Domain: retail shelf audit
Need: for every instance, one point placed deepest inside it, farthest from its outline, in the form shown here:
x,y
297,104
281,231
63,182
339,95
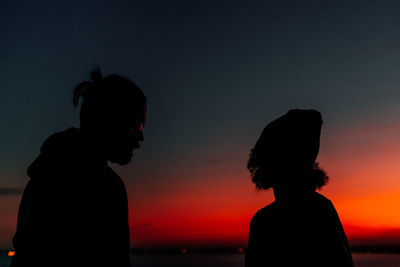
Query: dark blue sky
x,y
214,72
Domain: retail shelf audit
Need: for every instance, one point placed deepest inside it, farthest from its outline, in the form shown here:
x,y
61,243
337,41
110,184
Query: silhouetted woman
x,y
74,210
301,227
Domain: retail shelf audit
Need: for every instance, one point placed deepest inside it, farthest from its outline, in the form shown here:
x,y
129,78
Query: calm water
x,y
235,260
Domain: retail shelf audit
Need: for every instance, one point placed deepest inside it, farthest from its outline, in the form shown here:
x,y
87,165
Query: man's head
x,y
113,114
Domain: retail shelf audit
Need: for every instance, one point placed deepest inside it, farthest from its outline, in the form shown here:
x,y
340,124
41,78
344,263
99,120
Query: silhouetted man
x,y
74,210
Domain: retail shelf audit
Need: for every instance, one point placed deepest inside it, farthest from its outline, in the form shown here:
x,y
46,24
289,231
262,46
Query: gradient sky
x,y
215,72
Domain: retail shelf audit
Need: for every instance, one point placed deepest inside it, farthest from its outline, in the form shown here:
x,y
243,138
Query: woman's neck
x,y
292,192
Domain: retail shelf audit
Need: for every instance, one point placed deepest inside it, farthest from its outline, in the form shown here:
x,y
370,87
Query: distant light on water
x,y
11,253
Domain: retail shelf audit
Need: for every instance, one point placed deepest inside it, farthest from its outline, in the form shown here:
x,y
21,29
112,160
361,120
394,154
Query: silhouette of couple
x,y
74,209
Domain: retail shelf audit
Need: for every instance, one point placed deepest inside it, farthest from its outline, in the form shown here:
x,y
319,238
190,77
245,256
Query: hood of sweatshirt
x,y
65,152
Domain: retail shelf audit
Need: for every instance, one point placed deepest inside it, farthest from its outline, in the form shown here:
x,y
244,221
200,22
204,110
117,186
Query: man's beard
x,y
121,158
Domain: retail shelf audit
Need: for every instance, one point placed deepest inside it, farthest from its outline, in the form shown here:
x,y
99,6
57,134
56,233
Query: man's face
x,y
125,136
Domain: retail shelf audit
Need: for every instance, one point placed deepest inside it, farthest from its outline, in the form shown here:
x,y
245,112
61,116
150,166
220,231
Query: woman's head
x,y
286,151
113,111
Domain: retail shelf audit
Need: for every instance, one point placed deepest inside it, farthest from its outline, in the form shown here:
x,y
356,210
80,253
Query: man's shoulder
x,y
113,179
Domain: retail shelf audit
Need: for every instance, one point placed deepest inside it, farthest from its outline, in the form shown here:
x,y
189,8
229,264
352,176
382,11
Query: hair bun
x,y
96,75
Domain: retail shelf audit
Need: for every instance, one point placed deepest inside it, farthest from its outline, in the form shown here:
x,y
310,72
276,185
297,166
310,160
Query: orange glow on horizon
x,y
213,204
220,216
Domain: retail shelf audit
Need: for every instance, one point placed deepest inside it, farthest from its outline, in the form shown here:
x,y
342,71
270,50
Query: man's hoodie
x,y
74,209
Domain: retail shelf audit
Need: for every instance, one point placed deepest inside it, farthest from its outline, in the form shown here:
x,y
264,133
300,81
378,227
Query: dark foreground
x,y
234,260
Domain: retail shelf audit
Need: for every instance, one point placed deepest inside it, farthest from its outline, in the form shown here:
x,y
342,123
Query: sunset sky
x,y
214,72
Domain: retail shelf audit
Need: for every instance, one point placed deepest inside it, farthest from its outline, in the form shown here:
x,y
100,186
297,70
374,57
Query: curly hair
x,y
264,178
286,152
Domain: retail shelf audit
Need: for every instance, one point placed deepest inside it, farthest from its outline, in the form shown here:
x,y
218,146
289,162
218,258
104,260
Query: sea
x,y
233,260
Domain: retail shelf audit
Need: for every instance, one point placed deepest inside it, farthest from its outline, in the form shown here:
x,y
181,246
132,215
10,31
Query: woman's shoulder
x,y
264,213
321,200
